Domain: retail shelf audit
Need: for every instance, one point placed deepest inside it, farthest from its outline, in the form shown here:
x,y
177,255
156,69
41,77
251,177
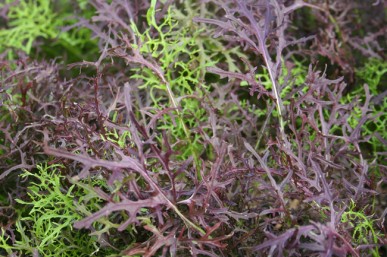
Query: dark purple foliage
x,y
276,185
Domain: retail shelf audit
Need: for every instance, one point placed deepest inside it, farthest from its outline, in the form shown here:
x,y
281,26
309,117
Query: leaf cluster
x,y
29,23
201,128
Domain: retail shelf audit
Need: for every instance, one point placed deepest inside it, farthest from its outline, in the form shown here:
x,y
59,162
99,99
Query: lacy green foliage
x,y
364,229
178,55
210,48
372,73
30,20
47,227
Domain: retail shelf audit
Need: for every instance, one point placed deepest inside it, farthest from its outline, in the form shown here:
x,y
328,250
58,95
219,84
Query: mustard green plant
x,y
31,20
371,74
177,54
46,228
364,230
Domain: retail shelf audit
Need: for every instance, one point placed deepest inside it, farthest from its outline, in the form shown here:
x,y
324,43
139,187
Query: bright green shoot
x,y
363,227
178,56
51,213
30,20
